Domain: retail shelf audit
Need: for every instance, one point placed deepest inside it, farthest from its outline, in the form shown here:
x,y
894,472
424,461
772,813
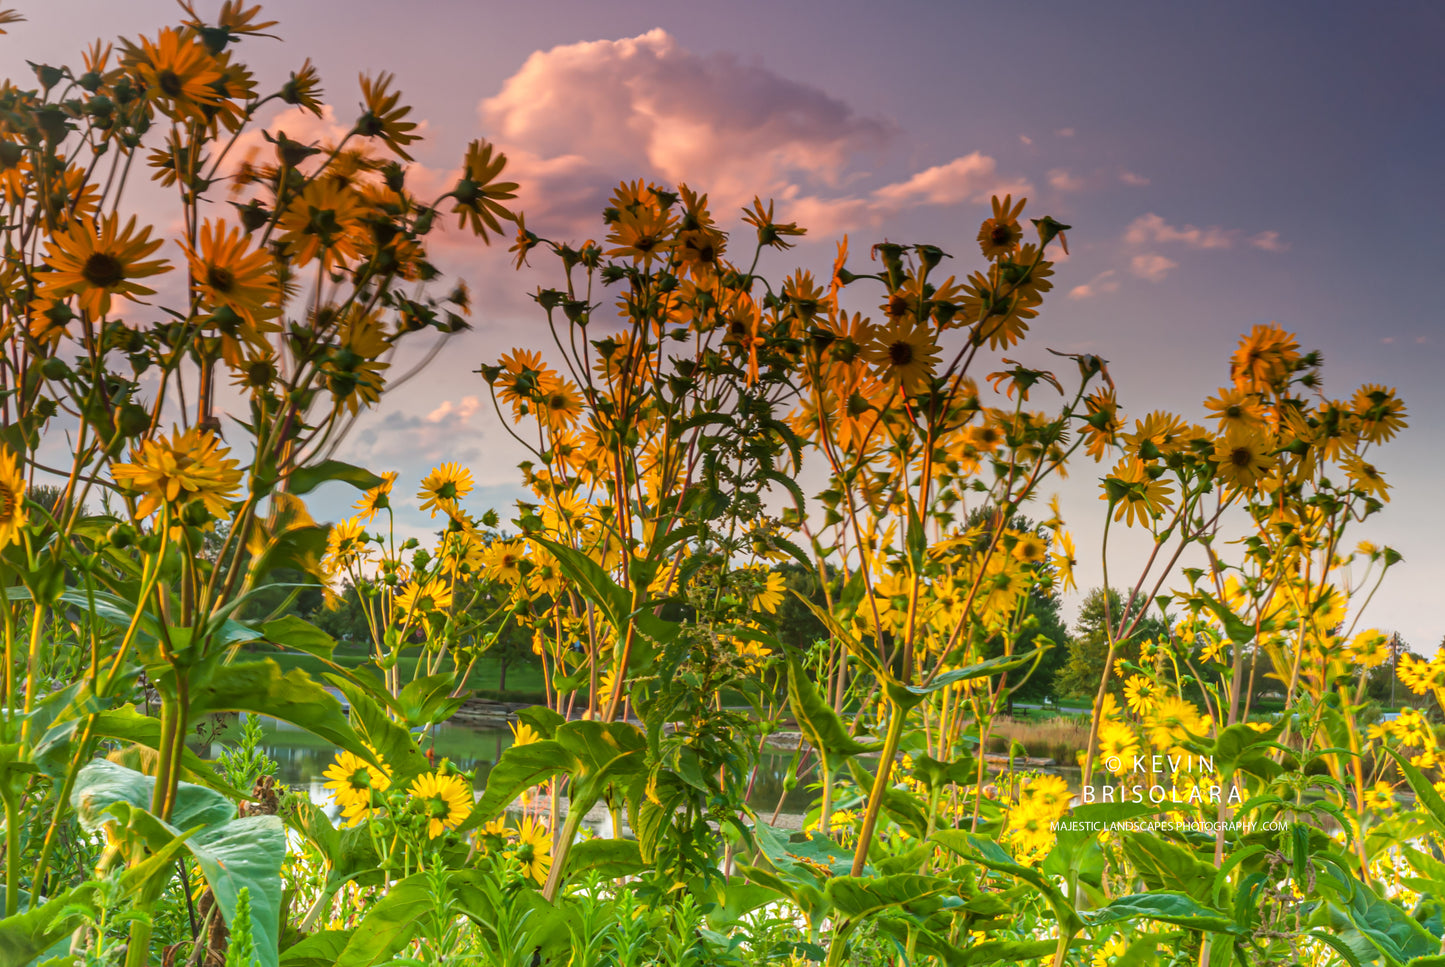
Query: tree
x,y
1089,647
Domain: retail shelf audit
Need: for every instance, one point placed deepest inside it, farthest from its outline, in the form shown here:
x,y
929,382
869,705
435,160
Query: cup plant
x,y
683,591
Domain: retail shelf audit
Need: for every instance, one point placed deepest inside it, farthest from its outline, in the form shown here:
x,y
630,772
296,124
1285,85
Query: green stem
x,y
139,948
564,846
12,855
880,784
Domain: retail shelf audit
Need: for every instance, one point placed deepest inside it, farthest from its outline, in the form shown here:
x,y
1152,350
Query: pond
x,y
302,758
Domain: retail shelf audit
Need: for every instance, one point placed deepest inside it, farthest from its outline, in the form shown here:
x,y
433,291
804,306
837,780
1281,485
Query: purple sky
x,y
1223,164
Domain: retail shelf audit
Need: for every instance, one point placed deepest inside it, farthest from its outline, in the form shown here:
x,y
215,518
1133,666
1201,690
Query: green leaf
x,y
990,854
246,853
1165,907
261,687
428,700
600,751
984,669
1425,793
27,936
816,718
609,858
320,949
390,739
1239,632
596,584
101,783
390,923
857,897
519,768
305,479
290,631
128,725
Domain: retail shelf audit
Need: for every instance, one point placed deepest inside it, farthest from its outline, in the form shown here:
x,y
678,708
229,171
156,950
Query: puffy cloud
x,y
1061,179
1151,228
582,116
576,119
1152,266
1130,178
1101,283
1269,242
456,414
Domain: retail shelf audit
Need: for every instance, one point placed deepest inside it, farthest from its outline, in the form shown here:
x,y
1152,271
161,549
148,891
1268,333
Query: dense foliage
x,y
688,602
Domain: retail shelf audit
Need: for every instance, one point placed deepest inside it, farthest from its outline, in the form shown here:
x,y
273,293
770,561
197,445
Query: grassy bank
x,y
524,680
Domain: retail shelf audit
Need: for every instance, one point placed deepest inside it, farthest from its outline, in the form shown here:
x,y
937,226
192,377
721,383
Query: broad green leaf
x,y
857,897
992,855
609,858
101,783
128,725
320,949
816,718
599,751
291,631
246,853
1425,793
518,769
391,740
1239,632
305,479
389,924
261,687
984,669
1165,907
25,937
428,700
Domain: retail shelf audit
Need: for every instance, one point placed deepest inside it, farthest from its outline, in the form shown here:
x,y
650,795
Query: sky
x,y
1223,165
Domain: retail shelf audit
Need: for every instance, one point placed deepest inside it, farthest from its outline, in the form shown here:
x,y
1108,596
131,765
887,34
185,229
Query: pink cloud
x,y
1152,228
1152,266
1061,179
1269,242
1130,178
580,117
1099,284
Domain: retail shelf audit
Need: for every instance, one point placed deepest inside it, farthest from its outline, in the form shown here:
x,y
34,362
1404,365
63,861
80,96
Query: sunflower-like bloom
x,y
444,800
324,220
1136,494
383,117
353,784
1139,694
443,487
1244,458
479,196
12,498
905,354
424,597
226,275
354,370
1065,560
378,498
1381,414
769,593
1366,478
1000,235
503,560
95,260
534,849
1265,356
191,464
641,235
179,75
1117,742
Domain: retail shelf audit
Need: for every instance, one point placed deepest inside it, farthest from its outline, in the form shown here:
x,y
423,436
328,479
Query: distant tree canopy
x,y
1088,649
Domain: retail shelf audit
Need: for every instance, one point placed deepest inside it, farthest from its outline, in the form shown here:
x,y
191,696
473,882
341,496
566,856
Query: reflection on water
x,y
302,758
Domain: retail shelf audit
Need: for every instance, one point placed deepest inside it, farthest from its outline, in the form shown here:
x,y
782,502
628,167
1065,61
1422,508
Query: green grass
x,y
524,679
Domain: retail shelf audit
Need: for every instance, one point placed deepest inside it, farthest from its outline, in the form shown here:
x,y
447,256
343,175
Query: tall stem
x,y
880,784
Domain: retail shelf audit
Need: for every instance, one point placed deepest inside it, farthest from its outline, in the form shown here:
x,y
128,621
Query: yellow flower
x,y
227,276
1117,741
1381,414
444,799
433,594
1380,797
770,594
1000,235
1236,409
904,353
346,542
1243,457
191,462
383,118
1064,560
1264,357
503,560
1105,955
1366,478
523,734
1030,549
179,75
1136,493
444,486
1139,694
353,782
378,498
325,220
534,849
95,260
479,195
12,498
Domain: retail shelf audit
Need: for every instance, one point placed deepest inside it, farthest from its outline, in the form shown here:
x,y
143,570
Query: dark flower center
x,y
900,353
221,279
1241,456
8,501
103,270
170,83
